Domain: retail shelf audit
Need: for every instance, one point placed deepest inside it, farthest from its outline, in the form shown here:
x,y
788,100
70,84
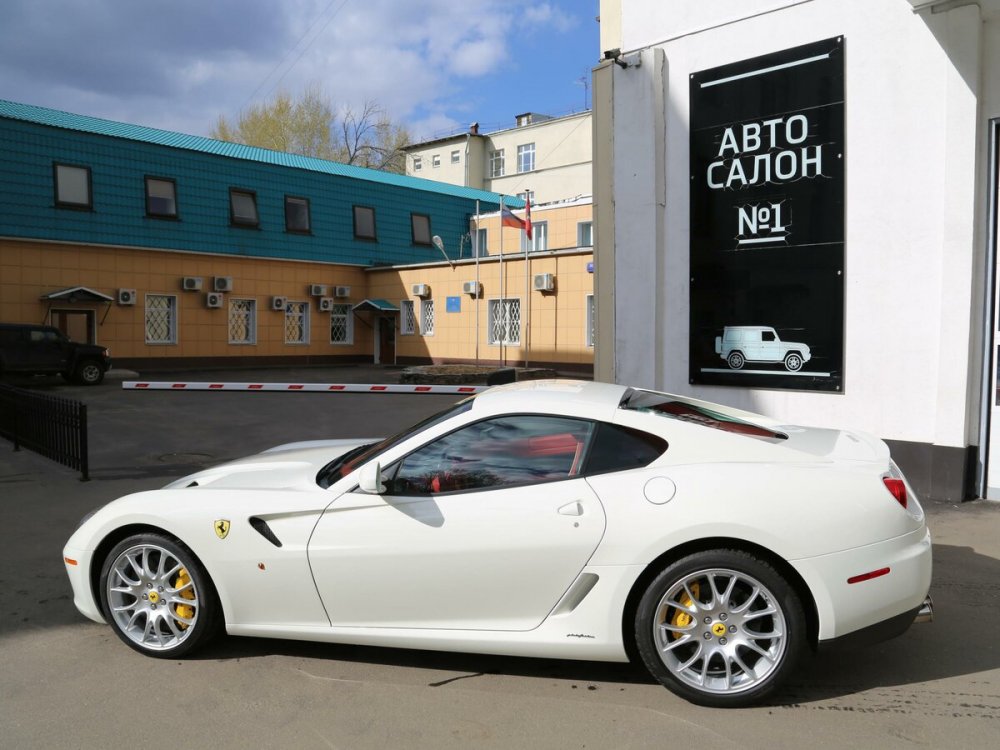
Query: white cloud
x,y
180,66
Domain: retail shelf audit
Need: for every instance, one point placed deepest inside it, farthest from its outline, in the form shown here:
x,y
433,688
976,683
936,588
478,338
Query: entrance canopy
x,y
77,294
376,305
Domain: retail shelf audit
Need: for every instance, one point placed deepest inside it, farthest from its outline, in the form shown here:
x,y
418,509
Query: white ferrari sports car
x,y
556,519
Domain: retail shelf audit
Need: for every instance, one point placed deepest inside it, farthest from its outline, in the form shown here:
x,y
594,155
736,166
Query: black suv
x,y
31,349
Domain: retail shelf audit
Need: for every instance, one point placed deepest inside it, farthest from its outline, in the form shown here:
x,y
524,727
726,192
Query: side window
x,y
767,335
498,452
618,448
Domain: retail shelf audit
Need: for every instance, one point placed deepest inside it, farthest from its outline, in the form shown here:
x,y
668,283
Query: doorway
x,y
76,325
385,349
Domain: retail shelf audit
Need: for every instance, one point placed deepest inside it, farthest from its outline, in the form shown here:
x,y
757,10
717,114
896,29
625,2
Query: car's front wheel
x,y
157,596
89,372
793,362
720,628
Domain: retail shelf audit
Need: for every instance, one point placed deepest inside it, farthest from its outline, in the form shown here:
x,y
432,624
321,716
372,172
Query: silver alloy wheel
x,y
720,631
793,362
149,592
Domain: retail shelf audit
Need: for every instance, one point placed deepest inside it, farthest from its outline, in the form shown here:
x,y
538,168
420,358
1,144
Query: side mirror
x,y
370,479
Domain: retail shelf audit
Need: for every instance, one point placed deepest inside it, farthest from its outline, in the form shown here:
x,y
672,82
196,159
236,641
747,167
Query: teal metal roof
x,y
378,305
86,124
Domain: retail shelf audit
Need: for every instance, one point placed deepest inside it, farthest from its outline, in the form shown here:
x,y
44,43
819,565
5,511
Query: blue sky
x,y
435,65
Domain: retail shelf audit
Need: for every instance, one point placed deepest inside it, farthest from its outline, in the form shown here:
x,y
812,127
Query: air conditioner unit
x,y
472,287
317,290
421,290
325,304
222,284
126,296
544,282
278,303
191,283
214,299
342,291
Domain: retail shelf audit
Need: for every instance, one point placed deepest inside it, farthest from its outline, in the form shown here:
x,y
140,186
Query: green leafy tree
x,y
309,125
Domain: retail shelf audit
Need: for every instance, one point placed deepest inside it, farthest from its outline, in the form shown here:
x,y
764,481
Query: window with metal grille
x,y
426,317
526,157
407,318
242,321
591,320
161,319
504,321
539,237
297,323
496,163
341,325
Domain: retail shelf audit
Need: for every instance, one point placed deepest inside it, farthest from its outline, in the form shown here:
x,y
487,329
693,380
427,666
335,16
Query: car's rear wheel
x,y
720,628
736,360
89,372
157,596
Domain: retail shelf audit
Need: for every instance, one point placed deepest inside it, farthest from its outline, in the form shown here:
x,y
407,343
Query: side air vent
x,y
576,593
260,525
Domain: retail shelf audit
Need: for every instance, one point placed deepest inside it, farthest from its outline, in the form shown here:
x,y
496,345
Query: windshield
x,y
665,405
343,465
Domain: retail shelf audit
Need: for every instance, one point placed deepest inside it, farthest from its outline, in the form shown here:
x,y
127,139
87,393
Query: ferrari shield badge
x,y
222,528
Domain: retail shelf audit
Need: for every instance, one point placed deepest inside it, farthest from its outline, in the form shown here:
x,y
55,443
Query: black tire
x,y
711,656
793,361
173,624
736,360
89,372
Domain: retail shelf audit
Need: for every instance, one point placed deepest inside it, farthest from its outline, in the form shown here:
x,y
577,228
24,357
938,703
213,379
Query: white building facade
x,y
548,156
816,171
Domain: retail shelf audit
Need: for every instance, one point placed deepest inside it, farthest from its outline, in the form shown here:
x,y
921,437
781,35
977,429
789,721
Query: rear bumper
x,y
880,631
882,603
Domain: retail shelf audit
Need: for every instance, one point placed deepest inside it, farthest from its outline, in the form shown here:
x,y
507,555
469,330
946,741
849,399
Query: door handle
x,y
572,509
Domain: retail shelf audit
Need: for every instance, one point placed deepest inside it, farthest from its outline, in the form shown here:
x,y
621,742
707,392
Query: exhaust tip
x,y
926,611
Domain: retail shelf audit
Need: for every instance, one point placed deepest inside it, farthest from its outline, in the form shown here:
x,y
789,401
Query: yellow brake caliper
x,y
183,610
681,618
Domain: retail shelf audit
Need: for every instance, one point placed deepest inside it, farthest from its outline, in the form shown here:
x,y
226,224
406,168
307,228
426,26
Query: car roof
x,y
577,398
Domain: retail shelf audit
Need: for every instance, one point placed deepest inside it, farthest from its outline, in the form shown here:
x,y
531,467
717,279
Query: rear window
x,y
618,448
672,407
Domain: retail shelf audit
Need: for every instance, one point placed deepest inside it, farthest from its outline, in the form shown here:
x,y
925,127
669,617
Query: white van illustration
x,y
741,344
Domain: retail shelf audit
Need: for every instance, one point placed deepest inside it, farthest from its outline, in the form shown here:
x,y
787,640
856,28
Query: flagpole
x,y
503,360
527,284
478,295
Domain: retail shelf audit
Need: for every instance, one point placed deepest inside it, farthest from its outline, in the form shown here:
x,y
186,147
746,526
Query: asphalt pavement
x,y
66,682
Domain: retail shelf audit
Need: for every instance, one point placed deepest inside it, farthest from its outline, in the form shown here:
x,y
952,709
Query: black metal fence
x,y
48,425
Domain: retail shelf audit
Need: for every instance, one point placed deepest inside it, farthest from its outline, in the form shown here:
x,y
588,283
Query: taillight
x,y
897,488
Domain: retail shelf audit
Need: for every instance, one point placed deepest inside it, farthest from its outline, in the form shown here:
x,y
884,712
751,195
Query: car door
x,y
483,528
48,351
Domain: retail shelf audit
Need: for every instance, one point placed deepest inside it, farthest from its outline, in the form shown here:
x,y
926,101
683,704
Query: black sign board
x,y
767,221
